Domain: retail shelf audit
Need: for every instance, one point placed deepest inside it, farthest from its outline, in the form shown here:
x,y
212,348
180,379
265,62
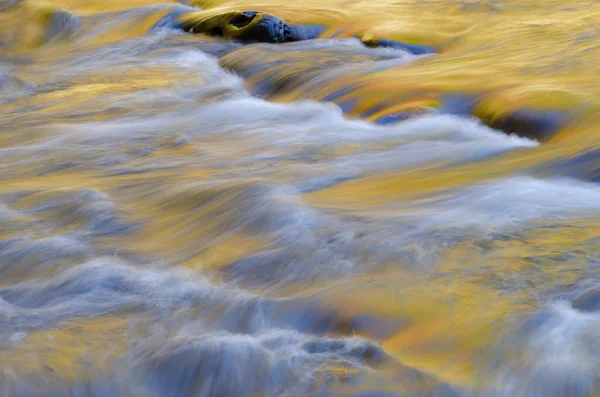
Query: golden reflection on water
x,y
520,53
514,53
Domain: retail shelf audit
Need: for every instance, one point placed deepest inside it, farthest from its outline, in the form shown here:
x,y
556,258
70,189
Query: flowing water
x,y
186,216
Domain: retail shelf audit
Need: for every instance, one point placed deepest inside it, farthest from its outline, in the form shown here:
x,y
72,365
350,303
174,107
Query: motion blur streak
x,y
182,215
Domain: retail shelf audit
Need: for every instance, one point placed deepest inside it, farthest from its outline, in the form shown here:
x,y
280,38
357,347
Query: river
x,y
183,215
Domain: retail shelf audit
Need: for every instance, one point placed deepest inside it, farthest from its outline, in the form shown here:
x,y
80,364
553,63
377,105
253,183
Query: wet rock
x,y
250,26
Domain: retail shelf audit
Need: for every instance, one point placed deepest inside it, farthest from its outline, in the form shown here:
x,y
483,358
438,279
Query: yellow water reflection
x,y
512,54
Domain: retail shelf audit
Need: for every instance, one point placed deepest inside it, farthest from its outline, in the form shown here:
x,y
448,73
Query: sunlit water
x,y
186,216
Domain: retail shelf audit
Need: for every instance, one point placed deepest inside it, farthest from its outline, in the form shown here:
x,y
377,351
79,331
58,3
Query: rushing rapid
x,y
189,215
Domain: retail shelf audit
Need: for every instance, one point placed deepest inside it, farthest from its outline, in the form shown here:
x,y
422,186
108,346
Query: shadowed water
x,y
182,215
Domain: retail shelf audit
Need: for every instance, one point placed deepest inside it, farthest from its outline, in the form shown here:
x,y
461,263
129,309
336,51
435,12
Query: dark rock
x,y
249,26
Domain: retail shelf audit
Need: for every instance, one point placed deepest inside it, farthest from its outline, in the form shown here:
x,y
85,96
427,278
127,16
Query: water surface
x,y
186,216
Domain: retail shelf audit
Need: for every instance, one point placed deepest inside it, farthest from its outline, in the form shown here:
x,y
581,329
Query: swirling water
x,y
186,216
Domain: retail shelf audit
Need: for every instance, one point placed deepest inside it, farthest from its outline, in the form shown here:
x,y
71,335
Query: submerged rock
x,y
527,123
539,125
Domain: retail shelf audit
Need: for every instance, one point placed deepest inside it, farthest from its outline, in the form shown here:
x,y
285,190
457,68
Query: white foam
x,y
347,43
509,202
242,365
559,357
306,120
105,284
